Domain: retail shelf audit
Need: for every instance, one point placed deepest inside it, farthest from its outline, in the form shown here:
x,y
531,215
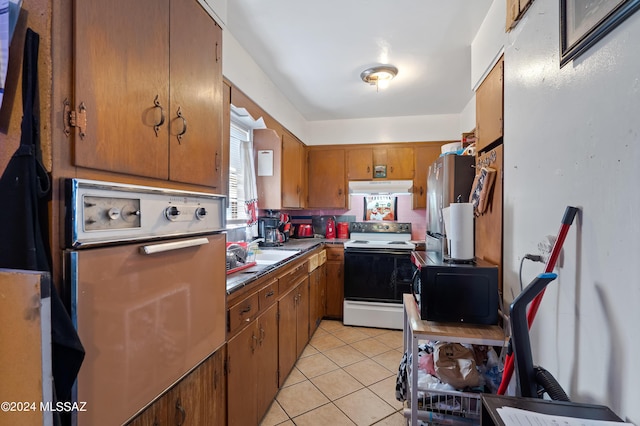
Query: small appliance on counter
x,y
319,224
303,230
455,292
331,229
268,231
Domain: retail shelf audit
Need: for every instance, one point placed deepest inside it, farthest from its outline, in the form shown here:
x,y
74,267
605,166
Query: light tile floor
x,y
345,376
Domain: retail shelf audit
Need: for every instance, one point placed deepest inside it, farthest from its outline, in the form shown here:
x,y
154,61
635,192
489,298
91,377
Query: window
x,y
236,210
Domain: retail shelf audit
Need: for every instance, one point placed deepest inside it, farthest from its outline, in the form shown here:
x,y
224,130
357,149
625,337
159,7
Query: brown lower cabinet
x,y
317,297
197,400
252,376
335,281
293,326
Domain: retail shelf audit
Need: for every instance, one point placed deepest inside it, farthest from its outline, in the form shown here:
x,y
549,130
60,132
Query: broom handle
x,y
567,220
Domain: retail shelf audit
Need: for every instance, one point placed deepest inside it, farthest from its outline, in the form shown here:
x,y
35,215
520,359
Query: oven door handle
x,y
174,245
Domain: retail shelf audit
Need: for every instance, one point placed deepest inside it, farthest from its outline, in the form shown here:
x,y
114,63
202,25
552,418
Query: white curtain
x,y
250,190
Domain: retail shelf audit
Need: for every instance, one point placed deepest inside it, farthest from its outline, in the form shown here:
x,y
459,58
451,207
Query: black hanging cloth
x,y
24,192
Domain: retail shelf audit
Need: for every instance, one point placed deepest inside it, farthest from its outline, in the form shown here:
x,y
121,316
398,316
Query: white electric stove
x,y
378,271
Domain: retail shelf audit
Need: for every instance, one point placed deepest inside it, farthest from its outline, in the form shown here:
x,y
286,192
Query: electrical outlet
x,y
545,247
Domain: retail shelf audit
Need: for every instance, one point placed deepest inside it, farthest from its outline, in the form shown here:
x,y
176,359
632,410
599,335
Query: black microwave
x,y
455,292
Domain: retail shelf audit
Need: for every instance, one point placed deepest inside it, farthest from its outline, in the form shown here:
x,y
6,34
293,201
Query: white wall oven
x,y
378,271
145,273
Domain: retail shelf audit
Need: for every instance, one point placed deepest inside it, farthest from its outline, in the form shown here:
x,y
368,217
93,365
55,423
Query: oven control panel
x,y
104,212
380,227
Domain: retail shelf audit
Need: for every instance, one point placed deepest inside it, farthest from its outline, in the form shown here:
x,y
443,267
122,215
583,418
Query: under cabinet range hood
x,y
373,187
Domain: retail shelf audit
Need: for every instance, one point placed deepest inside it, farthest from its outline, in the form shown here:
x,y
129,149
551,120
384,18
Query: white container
x,y
450,147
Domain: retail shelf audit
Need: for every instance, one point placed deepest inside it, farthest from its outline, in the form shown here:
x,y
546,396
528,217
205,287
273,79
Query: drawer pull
x,y
245,310
271,293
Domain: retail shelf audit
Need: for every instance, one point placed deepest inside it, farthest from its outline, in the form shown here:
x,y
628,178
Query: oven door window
x,y
377,275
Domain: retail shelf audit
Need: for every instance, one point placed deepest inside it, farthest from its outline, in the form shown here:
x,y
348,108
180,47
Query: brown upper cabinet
x,y
327,184
149,84
286,186
360,164
489,107
397,163
515,11
293,172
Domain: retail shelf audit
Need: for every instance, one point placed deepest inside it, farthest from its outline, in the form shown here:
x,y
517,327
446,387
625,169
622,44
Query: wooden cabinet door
x,y
287,334
302,316
292,166
196,399
400,163
327,184
489,107
322,302
488,226
316,299
335,282
195,114
155,415
269,187
121,59
241,377
360,164
267,360
424,156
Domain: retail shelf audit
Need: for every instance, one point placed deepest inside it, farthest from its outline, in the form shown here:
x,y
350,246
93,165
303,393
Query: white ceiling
x,y
314,53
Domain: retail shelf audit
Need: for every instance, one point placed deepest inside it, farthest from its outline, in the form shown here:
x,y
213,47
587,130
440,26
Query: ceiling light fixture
x,y
380,76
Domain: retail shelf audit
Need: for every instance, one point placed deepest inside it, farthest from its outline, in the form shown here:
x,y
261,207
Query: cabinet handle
x,y
245,310
217,161
391,169
217,52
156,127
262,334
183,414
421,190
254,339
271,293
339,191
184,125
368,169
163,247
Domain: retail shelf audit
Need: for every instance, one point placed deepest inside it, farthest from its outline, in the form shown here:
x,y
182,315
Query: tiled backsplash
x,y
405,213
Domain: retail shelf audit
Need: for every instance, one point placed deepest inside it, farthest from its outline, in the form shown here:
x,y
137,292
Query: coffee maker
x,y
268,231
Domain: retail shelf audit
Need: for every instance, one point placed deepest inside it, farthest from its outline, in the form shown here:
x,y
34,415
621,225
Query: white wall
x,y
388,129
571,137
242,71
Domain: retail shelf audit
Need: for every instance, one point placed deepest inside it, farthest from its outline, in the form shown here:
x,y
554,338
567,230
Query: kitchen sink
x,y
269,257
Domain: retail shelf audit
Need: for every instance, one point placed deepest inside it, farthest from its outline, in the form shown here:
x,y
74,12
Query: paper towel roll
x,y
460,233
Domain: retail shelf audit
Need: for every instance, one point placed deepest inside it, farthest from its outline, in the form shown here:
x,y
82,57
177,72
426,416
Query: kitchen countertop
x,y
240,279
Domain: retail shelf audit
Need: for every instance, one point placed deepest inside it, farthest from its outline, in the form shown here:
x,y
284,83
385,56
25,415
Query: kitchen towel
x,y
460,234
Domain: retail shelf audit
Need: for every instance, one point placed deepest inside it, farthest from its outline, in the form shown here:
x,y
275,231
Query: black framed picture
x,y
584,22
